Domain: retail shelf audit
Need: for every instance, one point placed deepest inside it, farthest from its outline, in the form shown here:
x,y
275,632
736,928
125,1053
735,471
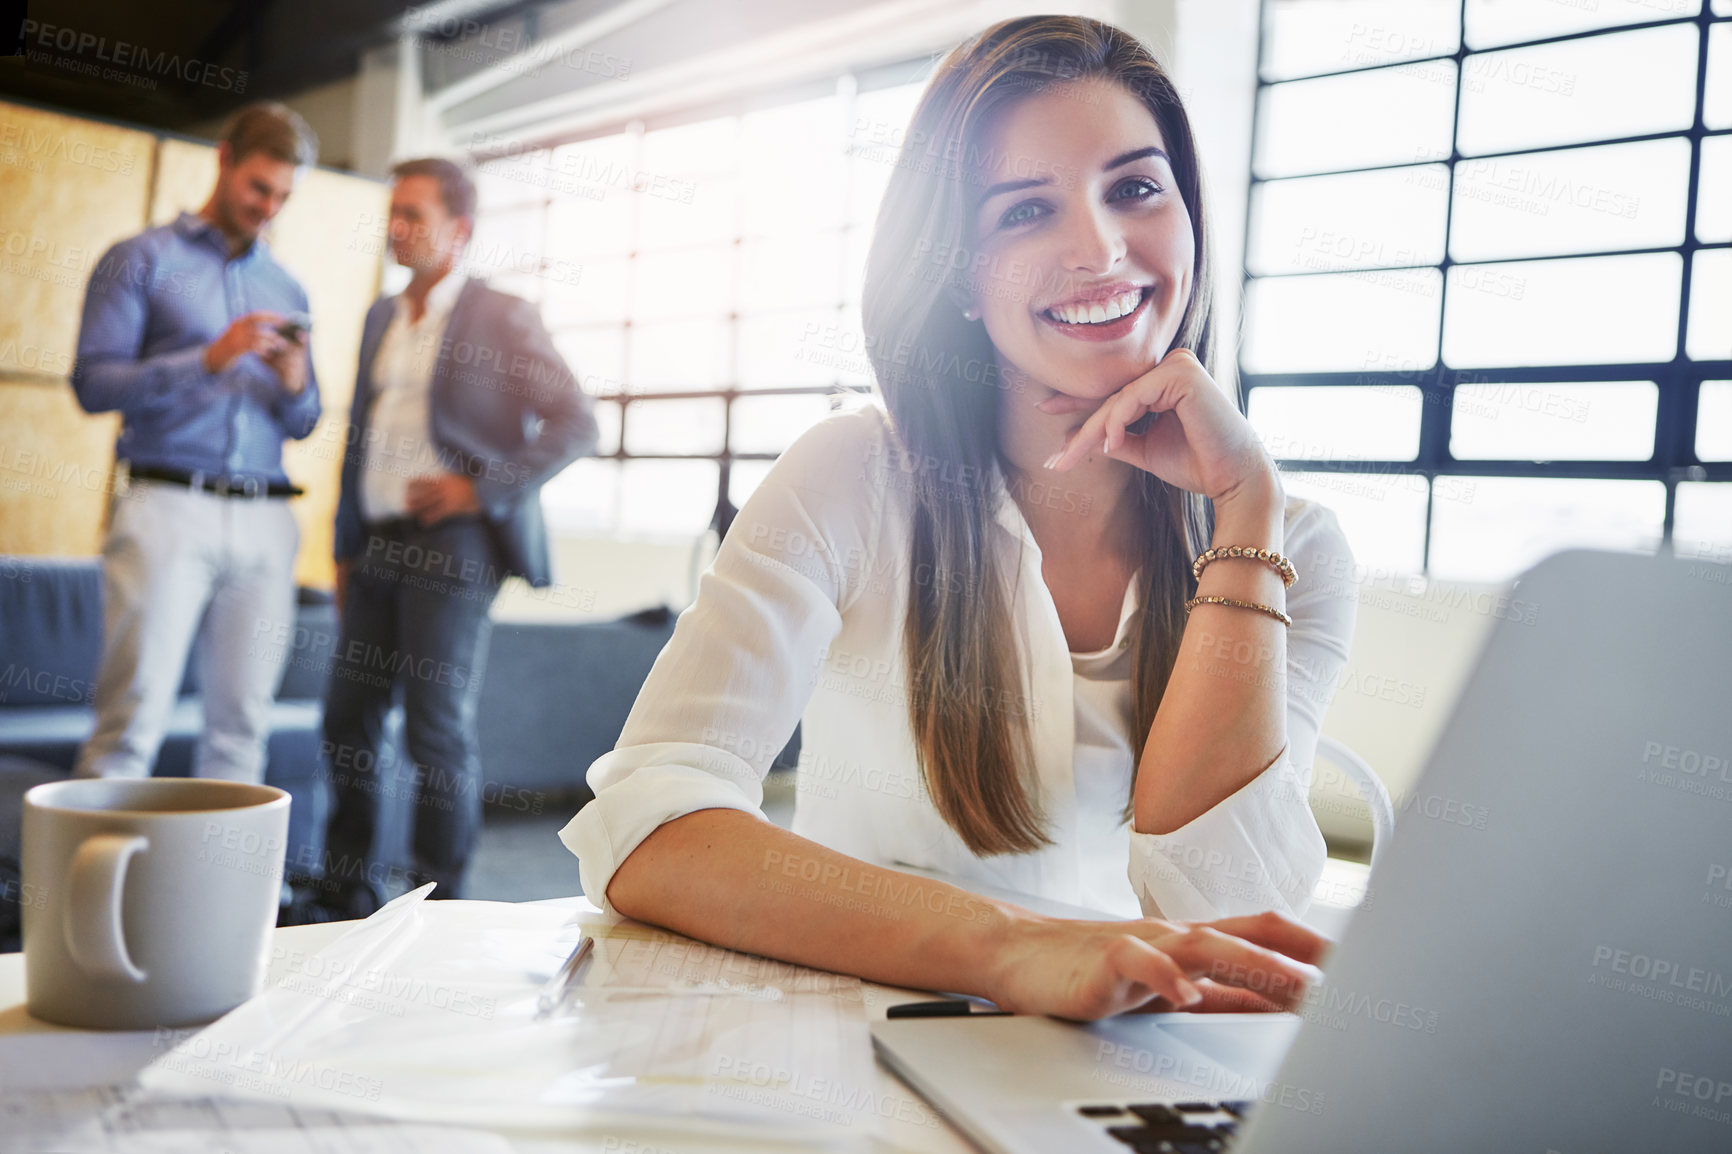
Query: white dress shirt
x,y
400,434
800,618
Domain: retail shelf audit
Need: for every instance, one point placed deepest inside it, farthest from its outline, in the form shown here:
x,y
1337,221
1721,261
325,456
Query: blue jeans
x,y
414,620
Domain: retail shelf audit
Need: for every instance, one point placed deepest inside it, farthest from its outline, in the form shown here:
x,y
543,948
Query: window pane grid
x,y
1259,177
1678,352
1449,46
701,280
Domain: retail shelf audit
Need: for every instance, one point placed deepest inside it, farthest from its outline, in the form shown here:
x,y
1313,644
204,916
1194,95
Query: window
x,y
1489,277
703,279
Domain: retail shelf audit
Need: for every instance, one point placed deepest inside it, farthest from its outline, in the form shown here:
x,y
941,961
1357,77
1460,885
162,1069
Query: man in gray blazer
x,y
462,409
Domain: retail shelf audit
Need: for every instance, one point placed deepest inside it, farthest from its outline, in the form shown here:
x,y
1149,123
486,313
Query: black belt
x,y
221,486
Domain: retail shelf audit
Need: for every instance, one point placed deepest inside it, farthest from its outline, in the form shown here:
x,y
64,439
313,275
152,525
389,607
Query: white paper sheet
x,y
425,1012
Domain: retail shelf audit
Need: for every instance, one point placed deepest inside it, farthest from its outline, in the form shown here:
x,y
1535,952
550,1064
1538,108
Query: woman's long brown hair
x,y
969,704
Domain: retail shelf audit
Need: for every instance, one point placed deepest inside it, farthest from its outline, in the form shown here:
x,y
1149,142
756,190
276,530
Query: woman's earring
x,y
971,314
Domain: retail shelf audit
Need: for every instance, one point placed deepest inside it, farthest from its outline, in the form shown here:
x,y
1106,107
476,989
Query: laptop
x,y
1546,966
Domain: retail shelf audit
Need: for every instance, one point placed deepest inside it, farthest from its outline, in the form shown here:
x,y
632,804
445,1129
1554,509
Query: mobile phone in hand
x,y
294,326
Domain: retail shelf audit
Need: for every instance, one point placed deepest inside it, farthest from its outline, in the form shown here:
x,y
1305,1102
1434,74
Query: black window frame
x,y
1678,380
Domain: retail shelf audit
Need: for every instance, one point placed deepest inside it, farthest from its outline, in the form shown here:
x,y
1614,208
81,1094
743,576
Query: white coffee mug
x,y
152,899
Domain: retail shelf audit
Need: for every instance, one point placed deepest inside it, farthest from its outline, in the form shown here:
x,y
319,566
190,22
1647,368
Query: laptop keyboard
x,y
1181,1128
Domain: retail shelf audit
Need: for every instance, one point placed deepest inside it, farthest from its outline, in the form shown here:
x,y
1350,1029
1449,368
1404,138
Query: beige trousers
x,y
181,567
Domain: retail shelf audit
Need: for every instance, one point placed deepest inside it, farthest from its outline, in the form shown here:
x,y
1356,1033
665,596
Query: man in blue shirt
x,y
199,340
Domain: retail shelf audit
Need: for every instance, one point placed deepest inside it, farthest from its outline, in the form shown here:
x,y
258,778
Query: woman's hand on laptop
x,y
1090,970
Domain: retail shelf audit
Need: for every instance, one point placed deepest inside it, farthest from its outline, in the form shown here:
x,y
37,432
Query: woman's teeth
x,y
1099,312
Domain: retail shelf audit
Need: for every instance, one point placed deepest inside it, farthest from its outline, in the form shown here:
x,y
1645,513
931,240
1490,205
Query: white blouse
x,y
800,619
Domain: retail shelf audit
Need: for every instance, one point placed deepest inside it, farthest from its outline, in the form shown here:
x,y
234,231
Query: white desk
x,y
42,1052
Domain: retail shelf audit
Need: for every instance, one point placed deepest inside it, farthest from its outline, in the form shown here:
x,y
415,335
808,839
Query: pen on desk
x,y
943,1008
563,982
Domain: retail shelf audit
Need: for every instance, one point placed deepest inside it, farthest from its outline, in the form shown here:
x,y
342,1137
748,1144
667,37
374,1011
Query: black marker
x,y
943,1008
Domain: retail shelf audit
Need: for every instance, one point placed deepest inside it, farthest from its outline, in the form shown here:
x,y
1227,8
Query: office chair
x,y
1371,789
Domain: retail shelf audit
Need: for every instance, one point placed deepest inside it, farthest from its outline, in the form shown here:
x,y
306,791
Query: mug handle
x,y
91,916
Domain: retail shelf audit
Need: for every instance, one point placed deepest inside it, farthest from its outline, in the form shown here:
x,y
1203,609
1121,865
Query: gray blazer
x,y
505,411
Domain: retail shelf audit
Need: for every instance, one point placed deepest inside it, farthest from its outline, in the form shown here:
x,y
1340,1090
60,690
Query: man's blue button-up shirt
x,y
153,304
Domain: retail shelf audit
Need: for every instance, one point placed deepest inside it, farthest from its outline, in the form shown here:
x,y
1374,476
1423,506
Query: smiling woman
x,y
1034,612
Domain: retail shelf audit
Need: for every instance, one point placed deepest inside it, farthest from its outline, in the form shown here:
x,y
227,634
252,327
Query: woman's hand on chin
x,y
1090,970
1198,441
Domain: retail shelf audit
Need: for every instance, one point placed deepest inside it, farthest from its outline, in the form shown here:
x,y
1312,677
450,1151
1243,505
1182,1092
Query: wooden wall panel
x,y
185,174
55,461
69,188
319,237
323,236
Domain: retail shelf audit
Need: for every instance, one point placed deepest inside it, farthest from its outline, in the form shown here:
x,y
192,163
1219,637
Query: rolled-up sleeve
x,y
724,696
1260,849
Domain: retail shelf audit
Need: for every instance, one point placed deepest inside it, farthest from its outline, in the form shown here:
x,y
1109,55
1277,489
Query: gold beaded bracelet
x,y
1238,604
1280,564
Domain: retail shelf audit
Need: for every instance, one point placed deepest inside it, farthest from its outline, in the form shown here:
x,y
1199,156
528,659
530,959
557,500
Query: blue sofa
x,y
555,698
